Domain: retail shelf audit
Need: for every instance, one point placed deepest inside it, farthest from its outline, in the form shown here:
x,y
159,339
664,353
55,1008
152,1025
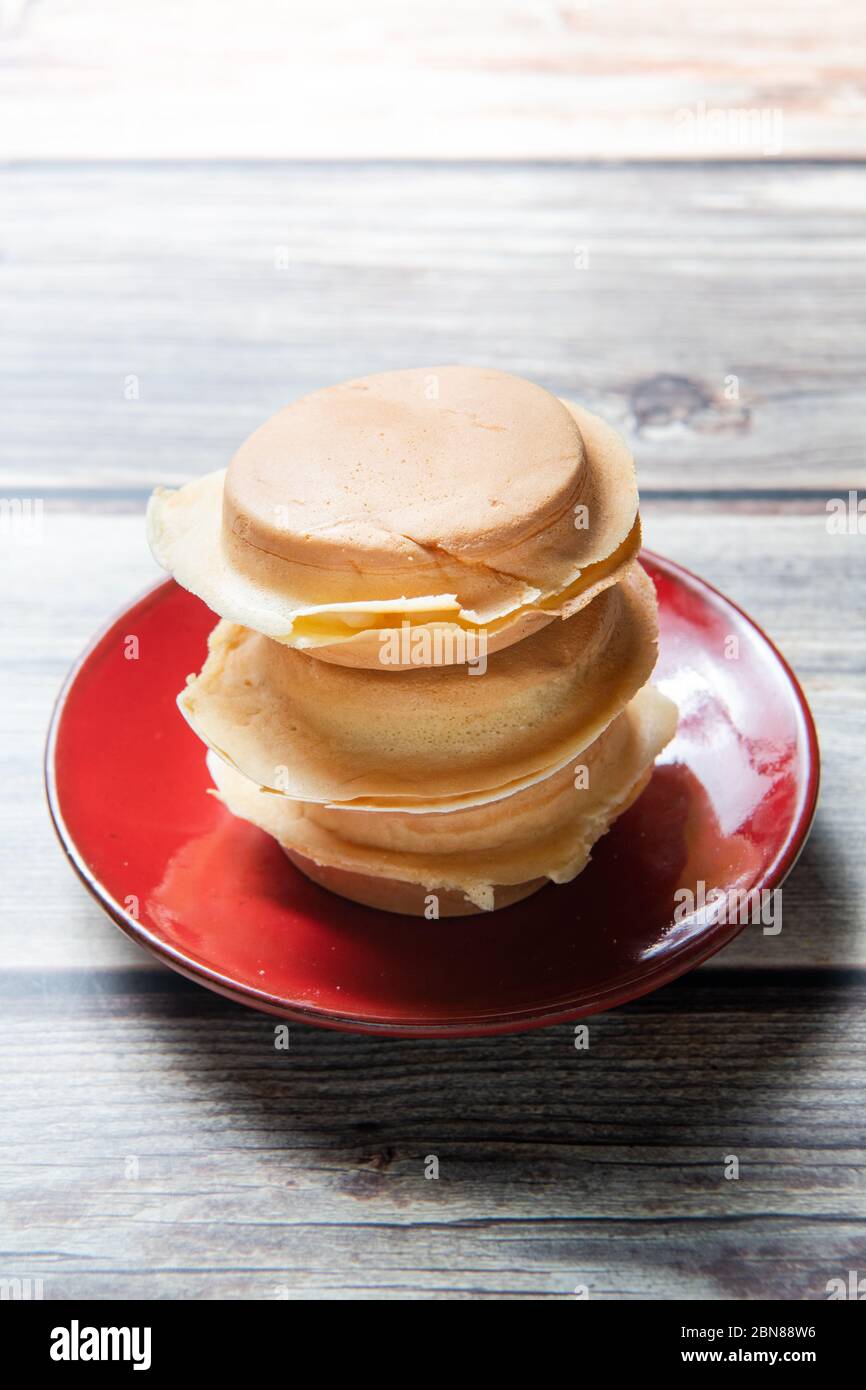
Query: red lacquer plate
x,y
729,804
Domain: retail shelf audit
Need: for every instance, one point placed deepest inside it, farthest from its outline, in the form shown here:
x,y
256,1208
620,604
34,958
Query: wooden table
x,y
154,1144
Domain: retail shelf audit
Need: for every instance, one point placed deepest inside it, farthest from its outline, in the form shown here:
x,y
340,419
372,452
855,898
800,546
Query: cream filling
x,y
320,627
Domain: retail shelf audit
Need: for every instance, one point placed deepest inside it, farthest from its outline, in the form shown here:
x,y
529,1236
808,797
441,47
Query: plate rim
x,y
679,963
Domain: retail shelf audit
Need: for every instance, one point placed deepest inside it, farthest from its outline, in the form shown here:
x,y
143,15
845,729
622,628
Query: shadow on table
x,y
723,1056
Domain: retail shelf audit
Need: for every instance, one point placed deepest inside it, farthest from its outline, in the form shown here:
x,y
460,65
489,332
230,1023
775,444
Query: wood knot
x,y
663,401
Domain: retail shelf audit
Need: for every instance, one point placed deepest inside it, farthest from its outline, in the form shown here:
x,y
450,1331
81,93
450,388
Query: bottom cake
x,y
480,857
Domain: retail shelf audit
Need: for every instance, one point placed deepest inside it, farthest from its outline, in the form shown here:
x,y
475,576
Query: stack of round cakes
x,y
429,681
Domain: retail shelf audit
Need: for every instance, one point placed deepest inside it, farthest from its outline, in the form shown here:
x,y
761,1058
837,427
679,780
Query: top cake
x,y
400,519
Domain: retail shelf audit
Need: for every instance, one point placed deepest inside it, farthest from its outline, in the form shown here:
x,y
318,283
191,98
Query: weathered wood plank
x,y
535,79
230,1170
168,281
804,586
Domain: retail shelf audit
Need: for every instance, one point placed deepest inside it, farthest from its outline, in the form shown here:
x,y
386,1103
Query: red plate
x,y
729,804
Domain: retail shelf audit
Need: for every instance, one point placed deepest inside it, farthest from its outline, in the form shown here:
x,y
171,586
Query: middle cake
x,y
429,738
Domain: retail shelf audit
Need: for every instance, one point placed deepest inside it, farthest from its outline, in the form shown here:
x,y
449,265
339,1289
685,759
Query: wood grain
x,y
161,280
232,1171
493,79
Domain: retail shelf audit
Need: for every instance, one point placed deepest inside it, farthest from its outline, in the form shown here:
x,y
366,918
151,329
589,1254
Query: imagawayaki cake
x,y
455,497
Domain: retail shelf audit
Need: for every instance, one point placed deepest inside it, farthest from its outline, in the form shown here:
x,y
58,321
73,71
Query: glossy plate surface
x,y
729,805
